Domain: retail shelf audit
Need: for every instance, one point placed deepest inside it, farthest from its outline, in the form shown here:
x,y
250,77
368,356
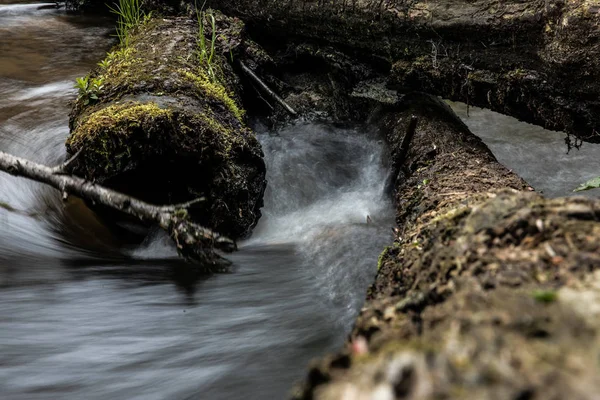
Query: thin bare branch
x,y
64,167
194,242
266,89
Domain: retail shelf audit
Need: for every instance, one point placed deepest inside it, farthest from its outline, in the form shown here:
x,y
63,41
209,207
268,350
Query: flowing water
x,y
84,317
539,156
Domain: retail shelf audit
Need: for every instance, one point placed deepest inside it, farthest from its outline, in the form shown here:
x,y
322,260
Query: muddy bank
x,y
158,123
489,290
534,61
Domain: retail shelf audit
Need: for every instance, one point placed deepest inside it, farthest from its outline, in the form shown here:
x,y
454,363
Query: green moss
x,y
382,258
213,90
105,133
545,296
117,119
138,67
122,67
226,136
384,254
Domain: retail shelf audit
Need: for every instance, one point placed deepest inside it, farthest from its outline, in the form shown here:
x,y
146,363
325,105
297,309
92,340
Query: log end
x,y
166,127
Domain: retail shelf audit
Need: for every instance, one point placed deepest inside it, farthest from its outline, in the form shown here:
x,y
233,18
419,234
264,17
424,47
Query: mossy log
x,y
535,60
489,291
163,126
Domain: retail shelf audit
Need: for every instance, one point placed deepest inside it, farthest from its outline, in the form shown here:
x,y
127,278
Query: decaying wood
x,y
408,137
535,60
194,242
490,291
162,117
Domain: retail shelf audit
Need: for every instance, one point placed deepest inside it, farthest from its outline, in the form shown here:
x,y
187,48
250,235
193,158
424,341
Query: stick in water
x,y
194,242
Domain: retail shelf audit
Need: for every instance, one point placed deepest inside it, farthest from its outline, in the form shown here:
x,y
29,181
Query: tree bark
x,y
193,241
535,60
489,291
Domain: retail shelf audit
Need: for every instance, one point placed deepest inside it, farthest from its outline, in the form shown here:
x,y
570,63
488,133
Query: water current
x,y
83,316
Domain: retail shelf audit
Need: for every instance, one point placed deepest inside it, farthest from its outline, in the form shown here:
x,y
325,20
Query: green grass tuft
x,y
130,16
206,49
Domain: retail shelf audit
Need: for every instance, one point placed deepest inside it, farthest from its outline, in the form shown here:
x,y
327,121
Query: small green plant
x,y
121,54
591,184
545,296
104,64
425,182
206,49
130,16
89,88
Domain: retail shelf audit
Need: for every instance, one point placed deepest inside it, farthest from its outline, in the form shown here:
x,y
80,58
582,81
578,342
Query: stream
x,y
86,316
83,316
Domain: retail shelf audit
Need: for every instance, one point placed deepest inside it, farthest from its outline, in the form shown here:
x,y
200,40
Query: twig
x,y
408,137
193,241
262,98
184,206
63,168
402,153
266,89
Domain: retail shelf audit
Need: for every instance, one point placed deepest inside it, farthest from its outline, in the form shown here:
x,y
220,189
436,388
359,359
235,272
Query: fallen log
x,y
489,291
534,60
194,242
162,124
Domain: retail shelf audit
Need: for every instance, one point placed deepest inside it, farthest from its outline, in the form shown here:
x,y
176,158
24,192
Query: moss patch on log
x,y
161,60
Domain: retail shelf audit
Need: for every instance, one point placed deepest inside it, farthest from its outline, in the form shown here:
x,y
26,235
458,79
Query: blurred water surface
x,y
84,317
539,156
